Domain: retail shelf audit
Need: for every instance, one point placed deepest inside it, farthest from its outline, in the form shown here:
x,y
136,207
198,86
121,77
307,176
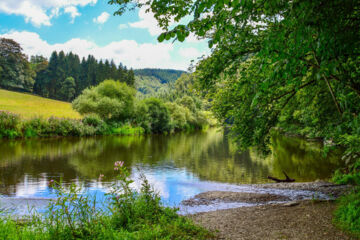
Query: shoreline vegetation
x,y
126,214
141,215
111,108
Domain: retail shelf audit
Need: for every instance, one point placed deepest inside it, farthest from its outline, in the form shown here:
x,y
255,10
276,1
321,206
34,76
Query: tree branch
x,y
294,90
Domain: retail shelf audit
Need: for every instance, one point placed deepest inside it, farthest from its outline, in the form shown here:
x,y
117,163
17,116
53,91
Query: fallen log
x,y
282,180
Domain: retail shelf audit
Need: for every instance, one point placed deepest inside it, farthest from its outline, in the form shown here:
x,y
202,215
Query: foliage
x,y
347,215
157,115
125,214
12,126
110,100
53,79
293,65
184,103
67,90
149,86
164,75
15,70
296,61
351,175
62,77
9,124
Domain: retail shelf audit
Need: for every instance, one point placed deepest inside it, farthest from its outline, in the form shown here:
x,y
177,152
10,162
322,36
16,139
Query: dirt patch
x,y
307,220
207,198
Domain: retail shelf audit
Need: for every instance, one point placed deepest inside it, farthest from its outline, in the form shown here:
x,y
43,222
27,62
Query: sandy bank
x,y
307,220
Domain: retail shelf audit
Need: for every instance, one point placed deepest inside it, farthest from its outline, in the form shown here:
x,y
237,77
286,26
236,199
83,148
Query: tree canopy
x,y
111,100
288,64
15,70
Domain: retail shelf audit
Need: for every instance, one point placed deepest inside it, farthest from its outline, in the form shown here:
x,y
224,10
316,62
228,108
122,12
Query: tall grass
x,y
12,126
128,214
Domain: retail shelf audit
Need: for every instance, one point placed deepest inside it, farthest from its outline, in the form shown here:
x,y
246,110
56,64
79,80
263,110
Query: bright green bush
x,y
347,215
111,100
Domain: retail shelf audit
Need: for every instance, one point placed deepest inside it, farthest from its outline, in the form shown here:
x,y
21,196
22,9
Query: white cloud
x,y
102,18
129,52
147,21
189,52
73,11
123,26
40,12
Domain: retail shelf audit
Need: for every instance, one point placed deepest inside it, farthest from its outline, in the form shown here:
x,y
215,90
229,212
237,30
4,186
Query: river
x,y
179,166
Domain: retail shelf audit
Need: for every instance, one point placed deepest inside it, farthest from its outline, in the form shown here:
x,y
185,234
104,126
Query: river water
x,y
179,166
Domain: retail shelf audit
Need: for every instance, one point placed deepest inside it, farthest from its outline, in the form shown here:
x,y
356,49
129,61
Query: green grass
x,y
29,106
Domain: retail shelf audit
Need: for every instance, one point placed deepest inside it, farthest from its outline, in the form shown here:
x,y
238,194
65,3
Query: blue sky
x,y
89,27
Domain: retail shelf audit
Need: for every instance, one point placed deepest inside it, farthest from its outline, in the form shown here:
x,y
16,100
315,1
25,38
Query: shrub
x,y
92,120
347,215
9,124
35,127
127,130
111,100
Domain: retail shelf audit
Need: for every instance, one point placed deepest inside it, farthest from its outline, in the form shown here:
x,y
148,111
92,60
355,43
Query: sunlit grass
x,y
29,106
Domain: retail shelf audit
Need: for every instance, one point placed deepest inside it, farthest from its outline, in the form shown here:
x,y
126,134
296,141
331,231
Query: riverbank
x,y
307,220
273,216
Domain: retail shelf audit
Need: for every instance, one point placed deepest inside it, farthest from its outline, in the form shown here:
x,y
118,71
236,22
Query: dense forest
x,y
62,77
164,75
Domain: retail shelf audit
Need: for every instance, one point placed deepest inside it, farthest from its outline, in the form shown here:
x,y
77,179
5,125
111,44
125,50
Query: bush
x,y
92,120
347,215
111,100
9,123
35,127
128,130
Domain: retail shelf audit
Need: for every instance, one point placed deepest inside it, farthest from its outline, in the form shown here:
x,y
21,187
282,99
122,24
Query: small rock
x,y
291,204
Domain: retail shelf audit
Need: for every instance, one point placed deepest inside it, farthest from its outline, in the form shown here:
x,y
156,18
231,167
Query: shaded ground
x,y
307,220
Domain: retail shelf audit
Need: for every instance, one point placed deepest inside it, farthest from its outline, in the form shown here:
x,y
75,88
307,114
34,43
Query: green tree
x,y
304,54
111,100
68,89
157,115
16,72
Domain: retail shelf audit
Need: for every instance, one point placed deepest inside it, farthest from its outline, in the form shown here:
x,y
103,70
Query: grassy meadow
x,y
29,106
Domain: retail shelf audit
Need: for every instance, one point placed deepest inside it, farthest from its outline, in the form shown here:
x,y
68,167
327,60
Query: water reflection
x,y
174,164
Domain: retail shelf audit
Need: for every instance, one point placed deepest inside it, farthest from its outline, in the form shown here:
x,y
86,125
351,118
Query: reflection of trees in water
x,y
301,159
209,155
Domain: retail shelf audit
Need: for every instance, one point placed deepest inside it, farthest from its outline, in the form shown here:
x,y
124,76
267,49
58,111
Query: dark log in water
x,y
282,180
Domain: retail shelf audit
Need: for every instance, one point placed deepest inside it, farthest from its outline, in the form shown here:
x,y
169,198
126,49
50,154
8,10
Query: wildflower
x,y
115,168
51,182
101,177
119,164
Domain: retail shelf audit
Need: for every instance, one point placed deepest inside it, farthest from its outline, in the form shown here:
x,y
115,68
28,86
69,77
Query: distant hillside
x,y
151,86
29,106
164,75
